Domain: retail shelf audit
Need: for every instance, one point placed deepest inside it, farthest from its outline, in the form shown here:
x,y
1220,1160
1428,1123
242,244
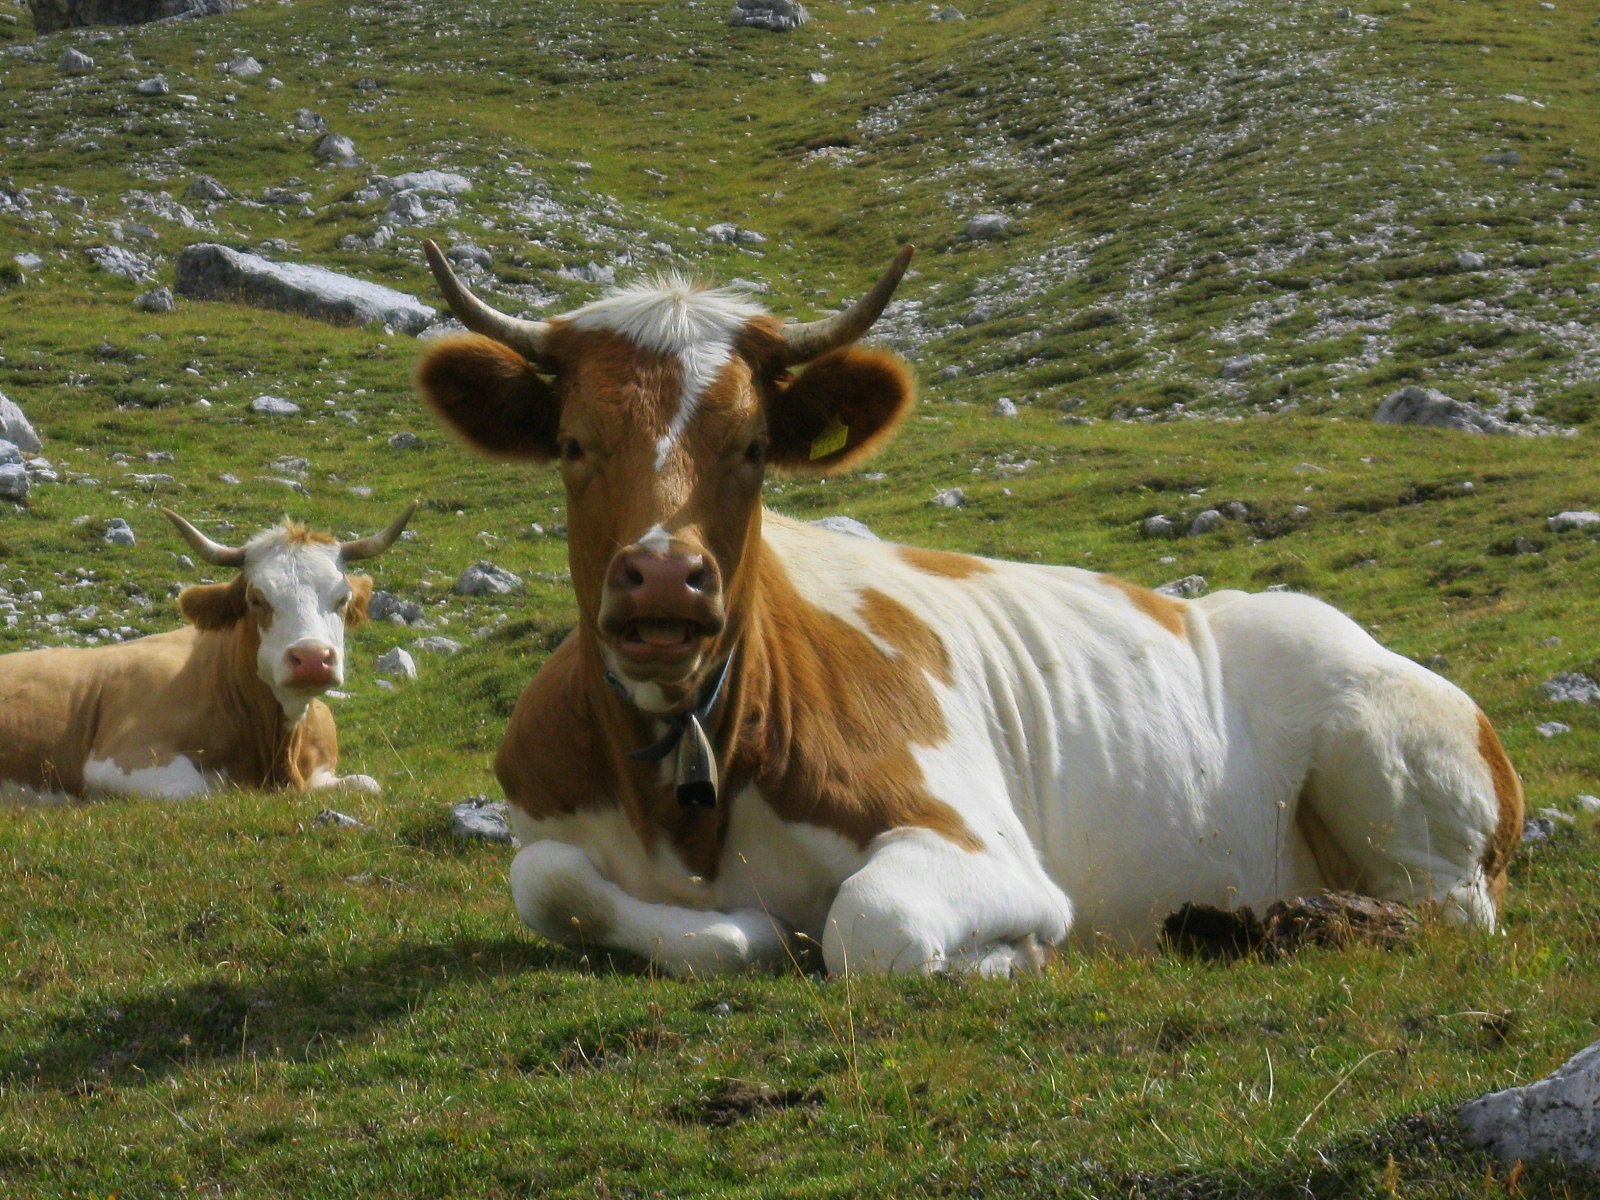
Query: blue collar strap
x,y
696,768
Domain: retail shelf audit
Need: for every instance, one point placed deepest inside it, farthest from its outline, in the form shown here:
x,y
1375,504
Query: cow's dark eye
x,y
571,451
755,453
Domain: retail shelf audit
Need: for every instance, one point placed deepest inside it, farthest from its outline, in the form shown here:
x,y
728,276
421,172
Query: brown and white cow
x,y
926,760
231,698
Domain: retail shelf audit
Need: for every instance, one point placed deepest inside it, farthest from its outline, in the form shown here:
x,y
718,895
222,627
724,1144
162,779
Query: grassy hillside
x,y
221,999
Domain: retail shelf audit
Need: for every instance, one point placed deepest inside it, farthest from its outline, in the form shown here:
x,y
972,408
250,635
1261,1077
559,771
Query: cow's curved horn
x,y
371,547
213,552
525,337
807,341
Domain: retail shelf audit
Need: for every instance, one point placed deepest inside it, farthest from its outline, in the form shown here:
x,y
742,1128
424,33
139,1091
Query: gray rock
x,y
206,188
396,661
1236,510
75,62
1564,521
986,225
1238,366
158,301
10,453
1469,260
125,263
1555,1119
14,481
284,198
274,406
438,645
1159,526
1538,829
1004,407
433,183
949,13
466,253
152,87
1552,729
1186,588
1413,405
49,16
386,606
211,272
1587,802
1506,158
309,121
950,498
330,819
480,819
337,149
846,525
780,16
15,428
1205,522
406,441
241,66
725,233
486,579
1570,687
119,532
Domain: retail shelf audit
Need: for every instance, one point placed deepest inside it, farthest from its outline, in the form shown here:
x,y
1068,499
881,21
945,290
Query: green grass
x,y
221,999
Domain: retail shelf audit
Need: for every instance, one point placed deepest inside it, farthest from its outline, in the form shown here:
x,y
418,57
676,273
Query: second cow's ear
x,y
360,602
214,605
492,397
838,411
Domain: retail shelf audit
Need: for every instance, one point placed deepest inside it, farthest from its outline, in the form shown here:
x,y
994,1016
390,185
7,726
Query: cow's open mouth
x,y
660,638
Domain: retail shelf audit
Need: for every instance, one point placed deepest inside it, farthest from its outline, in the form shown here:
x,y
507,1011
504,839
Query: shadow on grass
x,y
293,1013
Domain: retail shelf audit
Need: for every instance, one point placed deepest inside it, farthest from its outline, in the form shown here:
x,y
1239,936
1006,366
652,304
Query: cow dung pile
x,y
1333,919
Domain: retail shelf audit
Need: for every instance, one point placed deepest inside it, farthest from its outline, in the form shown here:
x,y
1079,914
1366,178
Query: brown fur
x,y
1508,828
295,534
942,562
357,610
1164,610
492,397
211,606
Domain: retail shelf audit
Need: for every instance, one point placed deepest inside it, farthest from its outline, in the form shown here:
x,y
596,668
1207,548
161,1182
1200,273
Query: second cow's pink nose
x,y
311,664
675,584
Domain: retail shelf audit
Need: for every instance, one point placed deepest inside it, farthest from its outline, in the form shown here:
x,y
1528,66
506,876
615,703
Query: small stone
x,y
1236,510
846,525
152,87
15,427
486,579
205,187
950,498
1552,729
405,440
438,645
1564,521
1587,802
1538,829
76,62
1205,522
386,606
1413,405
1506,158
274,406
242,66
985,226
468,253
1571,687
1159,526
949,13
1469,260
1004,407
816,78
396,661
310,122
779,16
1187,588
158,301
1238,366
479,819
1556,1118
118,532
329,819
337,149
14,481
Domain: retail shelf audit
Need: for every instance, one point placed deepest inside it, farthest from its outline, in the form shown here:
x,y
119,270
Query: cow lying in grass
x,y
230,699
918,759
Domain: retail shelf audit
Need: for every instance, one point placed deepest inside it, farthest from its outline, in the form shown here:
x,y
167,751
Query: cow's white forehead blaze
x,y
673,316
302,578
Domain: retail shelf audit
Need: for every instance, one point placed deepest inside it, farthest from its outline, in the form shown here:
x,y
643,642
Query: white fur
x,y
176,779
1111,769
697,326
303,582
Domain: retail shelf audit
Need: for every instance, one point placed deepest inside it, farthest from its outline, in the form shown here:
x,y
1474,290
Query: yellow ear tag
x,y
830,439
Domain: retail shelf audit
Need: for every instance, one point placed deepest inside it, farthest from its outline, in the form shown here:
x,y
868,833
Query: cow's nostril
x,y
696,578
634,575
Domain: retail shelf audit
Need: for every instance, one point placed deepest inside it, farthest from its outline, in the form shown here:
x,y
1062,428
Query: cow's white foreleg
x,y
923,904
559,893
324,780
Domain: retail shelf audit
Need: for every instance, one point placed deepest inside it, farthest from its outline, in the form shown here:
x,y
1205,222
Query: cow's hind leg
x,y
1411,798
922,904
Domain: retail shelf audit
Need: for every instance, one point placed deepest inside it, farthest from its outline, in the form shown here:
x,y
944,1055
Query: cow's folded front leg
x,y
923,904
559,893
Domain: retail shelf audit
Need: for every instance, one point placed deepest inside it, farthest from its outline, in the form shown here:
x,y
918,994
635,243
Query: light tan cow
x,y
231,698
762,730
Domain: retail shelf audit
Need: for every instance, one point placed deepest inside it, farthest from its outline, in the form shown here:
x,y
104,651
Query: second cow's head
x,y
292,598
665,406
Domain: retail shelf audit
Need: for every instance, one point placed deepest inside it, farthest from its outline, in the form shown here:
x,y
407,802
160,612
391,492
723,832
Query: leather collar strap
x,y
678,724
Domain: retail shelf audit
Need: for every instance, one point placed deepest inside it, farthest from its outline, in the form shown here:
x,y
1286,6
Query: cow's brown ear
x,y
838,411
355,611
213,605
492,397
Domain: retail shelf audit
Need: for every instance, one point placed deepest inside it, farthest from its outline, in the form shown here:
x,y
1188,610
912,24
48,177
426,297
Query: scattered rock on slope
x,y
1413,405
777,15
1556,1118
208,271
15,427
